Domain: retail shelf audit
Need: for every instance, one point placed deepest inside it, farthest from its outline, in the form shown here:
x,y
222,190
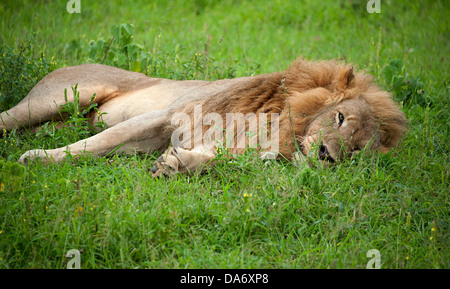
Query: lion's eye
x,y
339,118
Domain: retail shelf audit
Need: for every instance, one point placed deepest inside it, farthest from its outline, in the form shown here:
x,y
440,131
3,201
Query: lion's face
x,y
341,131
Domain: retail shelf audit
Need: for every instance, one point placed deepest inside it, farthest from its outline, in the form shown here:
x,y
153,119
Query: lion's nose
x,y
324,154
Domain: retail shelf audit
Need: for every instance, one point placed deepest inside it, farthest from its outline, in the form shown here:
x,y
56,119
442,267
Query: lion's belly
x,y
135,103
158,97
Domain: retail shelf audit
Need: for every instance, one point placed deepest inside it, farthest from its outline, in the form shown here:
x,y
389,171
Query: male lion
x,y
325,105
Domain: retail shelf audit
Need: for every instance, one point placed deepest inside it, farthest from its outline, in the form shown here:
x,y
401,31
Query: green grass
x,y
244,213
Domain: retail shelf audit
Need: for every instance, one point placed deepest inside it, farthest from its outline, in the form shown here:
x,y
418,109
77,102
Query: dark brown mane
x,y
302,92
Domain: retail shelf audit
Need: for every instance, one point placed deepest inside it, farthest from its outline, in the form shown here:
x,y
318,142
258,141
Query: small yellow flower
x,y
2,187
432,229
431,238
245,195
248,210
407,258
78,210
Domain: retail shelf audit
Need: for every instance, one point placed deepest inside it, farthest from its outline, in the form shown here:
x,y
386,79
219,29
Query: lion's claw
x,y
166,165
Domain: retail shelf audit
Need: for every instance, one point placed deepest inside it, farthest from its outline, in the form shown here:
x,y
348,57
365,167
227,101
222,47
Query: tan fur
x,y
309,96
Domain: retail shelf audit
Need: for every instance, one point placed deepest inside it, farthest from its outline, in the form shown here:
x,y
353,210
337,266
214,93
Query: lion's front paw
x,y
166,165
32,155
180,160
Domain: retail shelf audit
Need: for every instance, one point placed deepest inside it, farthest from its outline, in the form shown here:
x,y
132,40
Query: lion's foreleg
x,y
144,133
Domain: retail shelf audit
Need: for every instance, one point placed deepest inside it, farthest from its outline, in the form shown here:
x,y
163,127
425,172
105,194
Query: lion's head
x,y
335,112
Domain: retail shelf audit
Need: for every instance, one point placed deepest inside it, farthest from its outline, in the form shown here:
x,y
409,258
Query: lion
x,y
320,109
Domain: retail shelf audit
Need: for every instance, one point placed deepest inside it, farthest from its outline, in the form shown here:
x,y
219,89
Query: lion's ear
x,y
349,75
345,77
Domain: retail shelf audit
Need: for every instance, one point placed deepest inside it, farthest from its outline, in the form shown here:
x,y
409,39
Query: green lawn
x,y
244,213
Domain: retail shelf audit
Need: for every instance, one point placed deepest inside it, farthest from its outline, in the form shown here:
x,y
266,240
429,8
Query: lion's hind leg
x,y
176,160
45,99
